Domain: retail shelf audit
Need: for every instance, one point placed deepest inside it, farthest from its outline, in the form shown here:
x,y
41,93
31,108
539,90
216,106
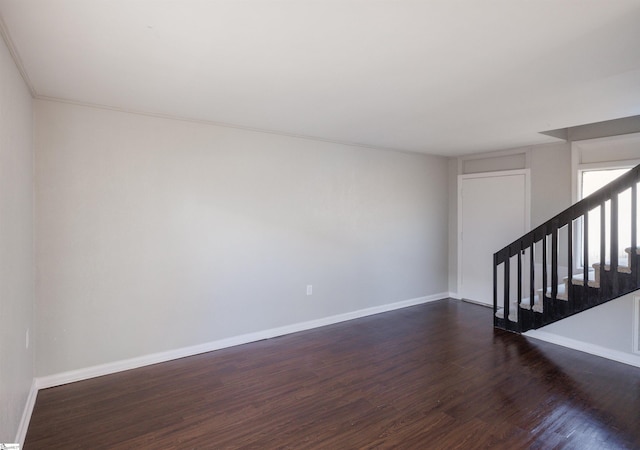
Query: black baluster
x,y
634,228
569,286
544,264
495,284
519,299
603,248
532,288
506,291
554,260
613,267
585,248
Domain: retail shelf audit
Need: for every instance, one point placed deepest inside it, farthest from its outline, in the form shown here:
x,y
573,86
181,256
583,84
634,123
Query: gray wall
x,y
16,245
156,234
550,181
606,330
550,166
612,325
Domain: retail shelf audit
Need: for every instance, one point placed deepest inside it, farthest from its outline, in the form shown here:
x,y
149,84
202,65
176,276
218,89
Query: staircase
x,y
541,278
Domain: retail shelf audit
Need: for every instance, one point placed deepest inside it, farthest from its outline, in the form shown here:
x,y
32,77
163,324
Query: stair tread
x,y
622,268
560,295
513,316
525,303
580,276
578,279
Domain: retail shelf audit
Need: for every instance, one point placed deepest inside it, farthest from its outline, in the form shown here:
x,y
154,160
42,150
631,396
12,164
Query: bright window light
x,y
593,180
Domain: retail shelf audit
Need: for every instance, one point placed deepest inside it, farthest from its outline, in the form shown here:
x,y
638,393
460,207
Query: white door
x,y
493,212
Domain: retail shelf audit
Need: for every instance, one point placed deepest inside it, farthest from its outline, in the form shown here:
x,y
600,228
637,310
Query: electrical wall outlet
x,y
309,289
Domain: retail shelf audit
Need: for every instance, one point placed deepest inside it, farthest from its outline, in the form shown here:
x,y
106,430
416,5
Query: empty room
x,y
319,224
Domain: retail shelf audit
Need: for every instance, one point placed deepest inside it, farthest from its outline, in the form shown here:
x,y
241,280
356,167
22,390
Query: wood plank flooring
x,y
434,376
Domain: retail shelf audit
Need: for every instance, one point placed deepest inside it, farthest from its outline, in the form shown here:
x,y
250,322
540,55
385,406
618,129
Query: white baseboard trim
x,y
133,363
26,414
475,302
593,349
454,295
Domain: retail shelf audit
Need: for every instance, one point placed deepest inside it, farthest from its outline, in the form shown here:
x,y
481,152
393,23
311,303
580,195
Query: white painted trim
x,y
497,173
459,237
528,158
140,361
524,150
577,166
608,165
592,349
26,414
575,163
454,295
474,302
589,167
498,153
501,173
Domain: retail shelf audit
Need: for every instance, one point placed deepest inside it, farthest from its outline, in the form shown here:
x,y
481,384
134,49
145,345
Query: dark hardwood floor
x,y
427,377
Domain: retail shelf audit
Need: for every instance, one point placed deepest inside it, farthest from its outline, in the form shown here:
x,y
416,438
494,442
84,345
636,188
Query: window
x,y
594,163
590,182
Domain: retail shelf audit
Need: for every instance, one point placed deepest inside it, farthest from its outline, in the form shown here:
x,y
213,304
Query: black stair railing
x,y
543,306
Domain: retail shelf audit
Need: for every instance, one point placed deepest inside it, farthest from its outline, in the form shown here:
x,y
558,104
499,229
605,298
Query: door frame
x,y
501,173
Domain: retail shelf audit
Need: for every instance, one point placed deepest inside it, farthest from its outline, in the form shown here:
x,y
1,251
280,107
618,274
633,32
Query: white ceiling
x,y
443,77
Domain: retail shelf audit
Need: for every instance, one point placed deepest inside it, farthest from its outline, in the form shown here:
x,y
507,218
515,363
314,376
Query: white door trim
x,y
502,173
